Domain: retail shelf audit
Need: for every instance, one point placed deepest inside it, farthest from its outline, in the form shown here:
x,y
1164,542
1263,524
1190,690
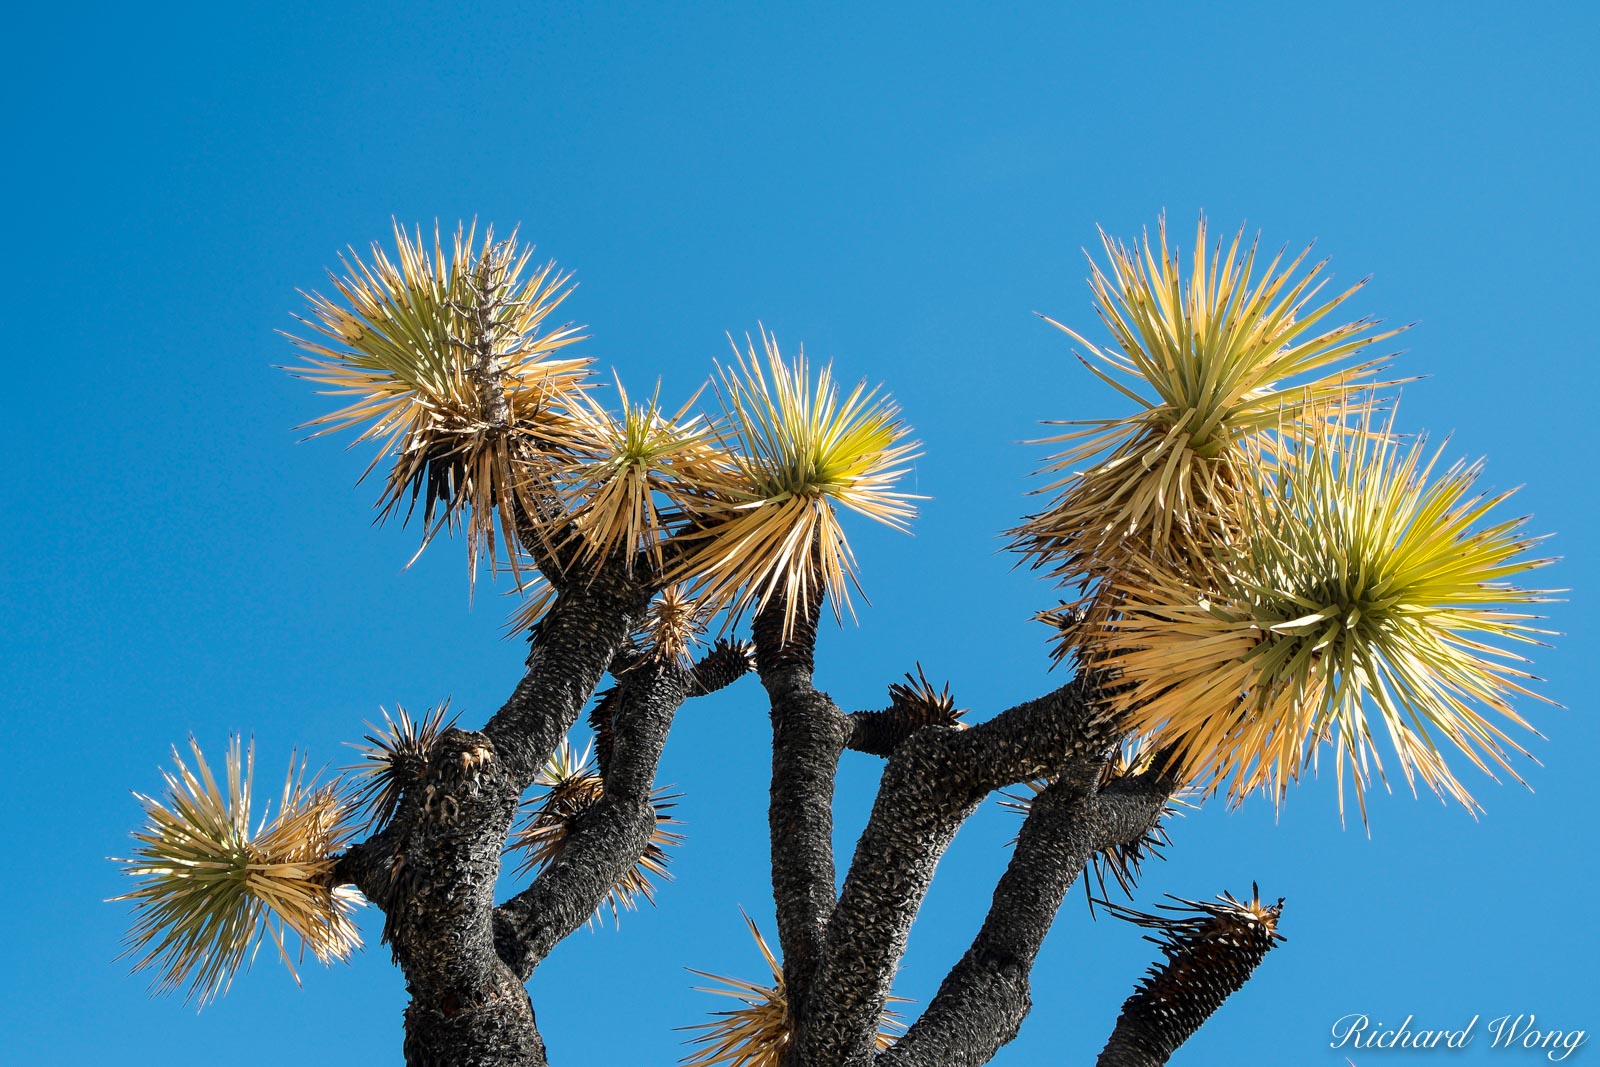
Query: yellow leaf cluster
x,y
211,887
1262,565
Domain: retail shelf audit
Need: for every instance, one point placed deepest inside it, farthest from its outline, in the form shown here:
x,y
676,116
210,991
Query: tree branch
x,y
934,780
982,1001
583,630
913,705
433,868
808,736
609,838
1209,951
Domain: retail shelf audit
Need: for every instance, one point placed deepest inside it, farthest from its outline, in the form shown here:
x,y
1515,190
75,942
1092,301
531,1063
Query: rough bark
x,y
583,630
1207,956
433,869
934,780
610,837
433,872
982,1001
808,737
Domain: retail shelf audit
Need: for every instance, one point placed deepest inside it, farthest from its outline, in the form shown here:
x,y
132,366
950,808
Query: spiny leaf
x,y
672,625
642,471
756,1034
799,449
449,362
210,888
1209,951
917,696
1364,586
1220,366
394,758
572,789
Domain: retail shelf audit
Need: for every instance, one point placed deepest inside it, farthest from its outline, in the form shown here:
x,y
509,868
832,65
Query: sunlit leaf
x,y
210,888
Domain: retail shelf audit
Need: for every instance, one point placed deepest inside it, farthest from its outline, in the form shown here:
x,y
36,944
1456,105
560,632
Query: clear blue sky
x,y
899,189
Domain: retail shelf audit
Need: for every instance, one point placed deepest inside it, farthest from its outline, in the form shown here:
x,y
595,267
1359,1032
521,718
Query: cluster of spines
x,y
1209,950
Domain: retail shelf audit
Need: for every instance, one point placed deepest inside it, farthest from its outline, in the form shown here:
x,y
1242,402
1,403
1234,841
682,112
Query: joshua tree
x,y
1256,565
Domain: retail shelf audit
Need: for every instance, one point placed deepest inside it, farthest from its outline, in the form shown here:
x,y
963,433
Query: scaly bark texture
x,y
433,867
1207,958
808,737
983,1000
933,781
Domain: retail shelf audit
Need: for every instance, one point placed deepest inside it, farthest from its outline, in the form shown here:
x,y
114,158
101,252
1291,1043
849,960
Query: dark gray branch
x,y
726,663
433,869
982,1001
583,630
1209,951
609,838
466,1005
808,736
879,733
934,780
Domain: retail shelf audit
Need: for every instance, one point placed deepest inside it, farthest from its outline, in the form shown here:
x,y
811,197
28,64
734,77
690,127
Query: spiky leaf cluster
x,y
394,758
211,887
1209,949
1220,366
1261,567
450,363
756,1034
1369,585
641,474
798,450
572,789
726,663
672,626
913,705
917,698
447,362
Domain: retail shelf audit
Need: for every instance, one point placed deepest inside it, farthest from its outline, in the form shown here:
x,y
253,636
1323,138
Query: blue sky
x,y
897,188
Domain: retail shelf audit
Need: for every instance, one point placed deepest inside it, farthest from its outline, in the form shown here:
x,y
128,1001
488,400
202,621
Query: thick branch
x,y
584,628
983,1000
808,736
466,1005
934,780
433,869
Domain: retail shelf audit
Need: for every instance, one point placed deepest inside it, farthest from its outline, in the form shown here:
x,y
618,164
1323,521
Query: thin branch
x,y
608,839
